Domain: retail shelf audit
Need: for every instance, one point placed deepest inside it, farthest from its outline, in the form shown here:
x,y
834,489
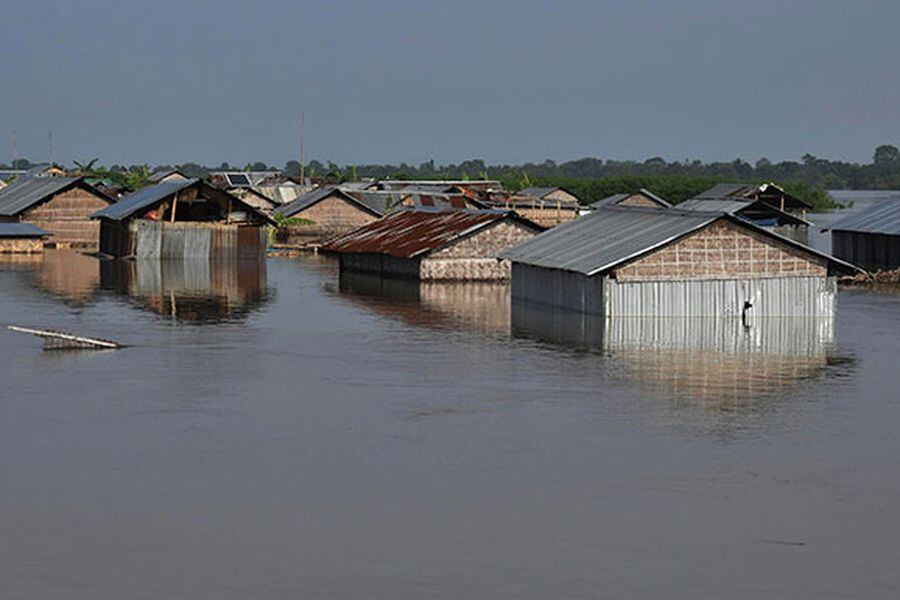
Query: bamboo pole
x,y
174,206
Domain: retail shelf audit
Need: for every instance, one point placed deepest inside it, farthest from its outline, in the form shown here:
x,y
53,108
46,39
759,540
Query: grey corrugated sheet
x,y
770,297
25,193
610,200
714,205
537,191
724,190
141,199
606,237
21,230
614,234
307,200
882,218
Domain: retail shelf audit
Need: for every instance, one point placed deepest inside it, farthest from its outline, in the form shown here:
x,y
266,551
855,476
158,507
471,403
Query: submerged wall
x,y
773,297
142,238
558,288
872,251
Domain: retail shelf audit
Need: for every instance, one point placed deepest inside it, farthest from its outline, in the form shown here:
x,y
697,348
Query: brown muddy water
x,y
280,432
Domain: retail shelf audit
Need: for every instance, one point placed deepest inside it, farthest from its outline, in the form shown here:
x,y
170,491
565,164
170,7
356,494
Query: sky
x,y
508,81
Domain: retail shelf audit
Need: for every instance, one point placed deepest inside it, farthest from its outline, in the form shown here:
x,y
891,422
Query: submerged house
x,y
62,206
434,245
638,262
328,212
642,197
21,238
767,192
550,194
758,212
182,219
870,238
545,211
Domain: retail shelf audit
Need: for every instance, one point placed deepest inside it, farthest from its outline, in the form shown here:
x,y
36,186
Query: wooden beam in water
x,y
61,340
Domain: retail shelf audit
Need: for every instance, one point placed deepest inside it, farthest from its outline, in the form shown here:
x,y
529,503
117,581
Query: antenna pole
x,y
50,146
15,152
302,168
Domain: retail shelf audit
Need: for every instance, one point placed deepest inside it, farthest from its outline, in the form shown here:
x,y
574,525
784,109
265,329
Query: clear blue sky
x,y
170,82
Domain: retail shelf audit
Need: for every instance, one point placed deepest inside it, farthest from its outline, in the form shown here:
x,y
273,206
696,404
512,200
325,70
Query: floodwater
x,y
278,431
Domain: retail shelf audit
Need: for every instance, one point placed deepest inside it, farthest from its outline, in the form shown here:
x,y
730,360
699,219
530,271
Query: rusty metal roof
x,y
410,233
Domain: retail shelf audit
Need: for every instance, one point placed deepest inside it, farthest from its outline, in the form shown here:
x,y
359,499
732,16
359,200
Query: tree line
x,y
590,178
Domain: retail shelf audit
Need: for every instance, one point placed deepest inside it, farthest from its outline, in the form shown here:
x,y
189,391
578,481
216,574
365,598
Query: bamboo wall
x,y
21,245
67,217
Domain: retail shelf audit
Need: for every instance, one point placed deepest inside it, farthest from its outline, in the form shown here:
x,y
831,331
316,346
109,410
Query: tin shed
x,y
627,262
182,219
61,206
434,245
870,238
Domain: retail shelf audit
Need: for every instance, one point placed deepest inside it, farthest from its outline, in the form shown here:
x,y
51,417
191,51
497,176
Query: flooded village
x,y
396,356
460,301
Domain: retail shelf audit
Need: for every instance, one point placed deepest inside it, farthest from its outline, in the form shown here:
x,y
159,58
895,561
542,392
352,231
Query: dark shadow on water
x,y
191,291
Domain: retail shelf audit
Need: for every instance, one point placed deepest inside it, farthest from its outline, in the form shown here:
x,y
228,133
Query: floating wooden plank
x,y
59,340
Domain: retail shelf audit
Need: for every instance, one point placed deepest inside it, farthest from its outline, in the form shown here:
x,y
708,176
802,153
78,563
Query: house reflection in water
x,y
476,306
718,363
191,290
68,275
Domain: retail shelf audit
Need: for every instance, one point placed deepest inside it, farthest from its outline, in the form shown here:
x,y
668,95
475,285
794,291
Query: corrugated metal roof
x,y
606,237
148,197
307,200
751,209
714,205
21,230
25,193
617,198
410,233
765,191
610,200
537,191
882,218
612,235
142,199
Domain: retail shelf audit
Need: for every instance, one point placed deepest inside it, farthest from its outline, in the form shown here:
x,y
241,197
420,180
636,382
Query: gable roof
x,y
411,233
23,194
144,199
160,175
613,235
751,191
760,208
882,218
617,198
316,196
21,230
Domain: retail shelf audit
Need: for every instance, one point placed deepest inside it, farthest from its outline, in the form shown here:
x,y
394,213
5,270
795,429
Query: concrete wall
x,y
723,250
67,217
869,250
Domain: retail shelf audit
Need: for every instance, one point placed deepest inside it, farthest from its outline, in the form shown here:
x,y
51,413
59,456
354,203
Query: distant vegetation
x,y
590,178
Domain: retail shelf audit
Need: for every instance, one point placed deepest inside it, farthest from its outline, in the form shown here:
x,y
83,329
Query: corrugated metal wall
x,y
156,239
869,250
794,336
775,297
554,287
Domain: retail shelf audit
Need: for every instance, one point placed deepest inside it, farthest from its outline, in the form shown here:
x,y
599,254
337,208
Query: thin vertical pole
x,y
50,147
302,166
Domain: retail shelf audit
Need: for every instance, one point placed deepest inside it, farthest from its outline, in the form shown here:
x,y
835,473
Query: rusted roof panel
x,y
409,233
